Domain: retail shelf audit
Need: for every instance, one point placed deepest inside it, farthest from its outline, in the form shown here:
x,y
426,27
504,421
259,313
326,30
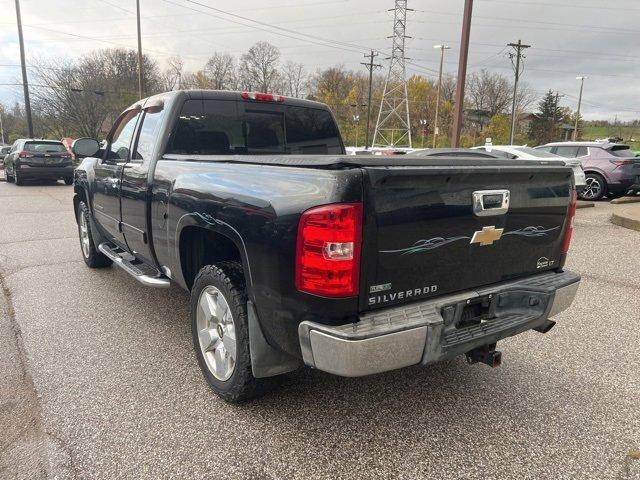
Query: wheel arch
x,y
202,240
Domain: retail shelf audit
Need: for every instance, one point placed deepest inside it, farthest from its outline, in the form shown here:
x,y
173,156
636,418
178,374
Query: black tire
x,y
68,181
17,178
613,196
228,279
93,257
8,177
595,189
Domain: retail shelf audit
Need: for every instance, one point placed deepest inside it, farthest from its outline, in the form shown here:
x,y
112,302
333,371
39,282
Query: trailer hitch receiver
x,y
486,354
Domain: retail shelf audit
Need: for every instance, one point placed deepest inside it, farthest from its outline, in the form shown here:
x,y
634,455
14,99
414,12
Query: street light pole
x,y
436,131
575,129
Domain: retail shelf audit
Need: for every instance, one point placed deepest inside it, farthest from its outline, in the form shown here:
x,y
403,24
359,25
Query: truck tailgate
x,y
423,237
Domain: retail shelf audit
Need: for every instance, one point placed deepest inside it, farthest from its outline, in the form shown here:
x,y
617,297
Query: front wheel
x,y
219,327
595,187
68,181
93,257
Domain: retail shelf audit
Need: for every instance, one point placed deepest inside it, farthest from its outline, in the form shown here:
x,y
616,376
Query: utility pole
x,y
462,73
436,131
140,67
518,47
370,66
25,81
575,129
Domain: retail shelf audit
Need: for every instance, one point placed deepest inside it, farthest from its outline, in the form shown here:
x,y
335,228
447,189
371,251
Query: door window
x,y
147,136
567,152
121,139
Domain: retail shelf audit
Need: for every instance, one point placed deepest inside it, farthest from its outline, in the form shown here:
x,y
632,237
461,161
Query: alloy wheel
x,y
84,235
216,333
593,188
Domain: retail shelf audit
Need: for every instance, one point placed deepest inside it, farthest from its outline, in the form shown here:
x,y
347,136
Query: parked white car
x,y
527,153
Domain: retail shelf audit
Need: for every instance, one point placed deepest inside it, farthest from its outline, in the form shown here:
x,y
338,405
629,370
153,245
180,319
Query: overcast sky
x,y
568,38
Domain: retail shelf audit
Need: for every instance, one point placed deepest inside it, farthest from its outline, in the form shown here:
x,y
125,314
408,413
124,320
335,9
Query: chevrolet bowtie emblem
x,y
487,235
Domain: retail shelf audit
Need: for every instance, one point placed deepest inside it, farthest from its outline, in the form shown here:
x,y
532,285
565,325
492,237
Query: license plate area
x,y
475,311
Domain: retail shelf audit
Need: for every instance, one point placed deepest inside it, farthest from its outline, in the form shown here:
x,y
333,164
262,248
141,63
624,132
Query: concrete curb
x,y
617,201
628,218
583,204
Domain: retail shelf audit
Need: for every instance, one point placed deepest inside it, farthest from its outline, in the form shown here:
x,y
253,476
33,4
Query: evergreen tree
x,y
546,126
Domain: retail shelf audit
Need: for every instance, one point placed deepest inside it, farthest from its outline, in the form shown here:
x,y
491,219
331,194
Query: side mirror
x,y
85,147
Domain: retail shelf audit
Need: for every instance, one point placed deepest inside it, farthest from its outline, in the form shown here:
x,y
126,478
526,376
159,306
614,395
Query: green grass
x,y
591,133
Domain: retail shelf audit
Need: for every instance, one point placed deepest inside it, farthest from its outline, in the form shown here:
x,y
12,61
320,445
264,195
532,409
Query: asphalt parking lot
x,y
99,380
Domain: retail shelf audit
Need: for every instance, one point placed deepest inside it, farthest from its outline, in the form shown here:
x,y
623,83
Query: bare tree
x,y
259,67
489,92
172,76
81,98
221,70
294,79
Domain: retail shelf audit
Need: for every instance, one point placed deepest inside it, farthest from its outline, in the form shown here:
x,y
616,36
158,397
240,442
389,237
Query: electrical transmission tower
x,y
393,127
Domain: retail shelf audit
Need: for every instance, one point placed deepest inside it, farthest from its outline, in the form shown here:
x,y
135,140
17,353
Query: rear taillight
x,y
328,250
626,161
24,154
262,97
65,155
568,231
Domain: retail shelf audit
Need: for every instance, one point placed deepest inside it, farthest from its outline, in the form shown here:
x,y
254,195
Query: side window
x,y
147,134
120,142
14,147
544,149
582,151
567,152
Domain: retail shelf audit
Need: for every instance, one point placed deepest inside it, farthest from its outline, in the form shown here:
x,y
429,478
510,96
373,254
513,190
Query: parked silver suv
x,y
611,169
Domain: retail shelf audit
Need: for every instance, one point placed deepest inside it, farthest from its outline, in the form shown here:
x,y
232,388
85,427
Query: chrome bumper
x,y
425,332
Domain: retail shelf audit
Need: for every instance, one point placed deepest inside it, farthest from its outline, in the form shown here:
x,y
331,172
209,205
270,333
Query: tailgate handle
x,y
490,202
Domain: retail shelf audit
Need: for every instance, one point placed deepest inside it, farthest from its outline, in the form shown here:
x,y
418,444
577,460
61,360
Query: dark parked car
x,y
38,159
611,169
296,253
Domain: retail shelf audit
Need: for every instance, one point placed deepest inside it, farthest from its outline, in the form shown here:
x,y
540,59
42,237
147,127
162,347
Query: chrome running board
x,y
126,261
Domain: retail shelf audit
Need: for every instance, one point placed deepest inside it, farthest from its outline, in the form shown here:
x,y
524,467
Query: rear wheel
x,y
613,196
8,176
17,176
93,257
219,327
595,187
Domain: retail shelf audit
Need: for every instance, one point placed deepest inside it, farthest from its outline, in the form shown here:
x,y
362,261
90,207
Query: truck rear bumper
x,y
429,331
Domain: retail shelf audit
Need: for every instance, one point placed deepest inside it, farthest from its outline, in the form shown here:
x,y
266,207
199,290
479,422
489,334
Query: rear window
x,y
621,151
44,147
223,127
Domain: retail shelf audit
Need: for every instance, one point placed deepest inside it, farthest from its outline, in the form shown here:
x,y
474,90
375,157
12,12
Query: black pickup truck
x,y
295,253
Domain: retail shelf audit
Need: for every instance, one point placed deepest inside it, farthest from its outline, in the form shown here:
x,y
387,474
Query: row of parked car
x,y
601,168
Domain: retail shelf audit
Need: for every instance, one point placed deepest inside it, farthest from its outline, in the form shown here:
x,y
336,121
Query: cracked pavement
x,y
99,381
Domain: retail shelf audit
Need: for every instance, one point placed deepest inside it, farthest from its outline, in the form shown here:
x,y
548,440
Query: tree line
x,y
83,96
